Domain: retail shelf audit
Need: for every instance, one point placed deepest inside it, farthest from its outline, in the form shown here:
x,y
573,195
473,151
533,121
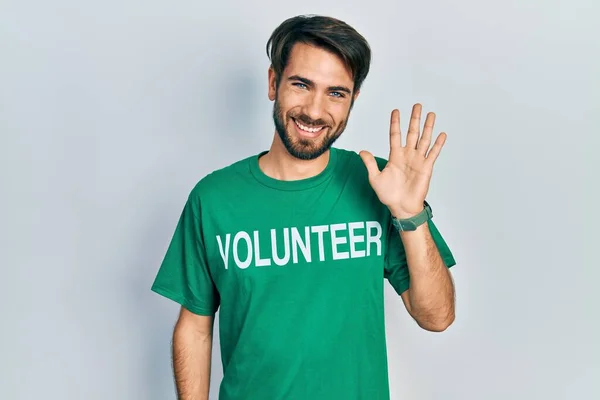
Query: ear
x,y
272,84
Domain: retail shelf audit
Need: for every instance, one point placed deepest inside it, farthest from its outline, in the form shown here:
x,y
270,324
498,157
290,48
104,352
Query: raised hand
x,y
404,182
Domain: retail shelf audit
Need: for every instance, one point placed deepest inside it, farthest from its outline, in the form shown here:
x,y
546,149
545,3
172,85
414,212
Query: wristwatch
x,y
412,223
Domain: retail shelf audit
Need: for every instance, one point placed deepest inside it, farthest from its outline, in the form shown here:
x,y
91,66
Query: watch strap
x,y
412,223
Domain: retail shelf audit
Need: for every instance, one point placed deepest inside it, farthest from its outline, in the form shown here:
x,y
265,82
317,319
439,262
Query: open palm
x,y
404,182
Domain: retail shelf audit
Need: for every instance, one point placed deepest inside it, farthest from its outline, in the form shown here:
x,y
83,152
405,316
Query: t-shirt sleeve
x,y
396,266
184,275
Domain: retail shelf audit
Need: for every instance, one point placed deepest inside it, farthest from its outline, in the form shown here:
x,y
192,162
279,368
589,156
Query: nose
x,y
313,107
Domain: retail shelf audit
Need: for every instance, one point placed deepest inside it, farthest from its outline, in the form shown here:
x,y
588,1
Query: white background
x,y
111,111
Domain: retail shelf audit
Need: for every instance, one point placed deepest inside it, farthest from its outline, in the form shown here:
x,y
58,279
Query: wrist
x,y
405,219
404,213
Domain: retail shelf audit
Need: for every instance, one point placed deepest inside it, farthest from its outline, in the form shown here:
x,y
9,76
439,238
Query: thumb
x,y
370,163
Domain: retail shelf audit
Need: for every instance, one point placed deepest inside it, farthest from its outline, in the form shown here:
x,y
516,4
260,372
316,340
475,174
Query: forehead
x,y
318,65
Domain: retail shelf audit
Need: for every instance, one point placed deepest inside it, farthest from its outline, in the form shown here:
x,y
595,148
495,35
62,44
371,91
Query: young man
x,y
293,244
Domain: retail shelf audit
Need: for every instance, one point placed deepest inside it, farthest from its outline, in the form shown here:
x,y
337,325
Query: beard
x,y
305,149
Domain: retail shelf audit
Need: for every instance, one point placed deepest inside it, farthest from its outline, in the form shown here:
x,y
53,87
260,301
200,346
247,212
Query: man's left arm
x,y
430,298
402,186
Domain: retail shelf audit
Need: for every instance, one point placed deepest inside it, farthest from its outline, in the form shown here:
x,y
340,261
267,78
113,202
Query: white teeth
x,y
306,128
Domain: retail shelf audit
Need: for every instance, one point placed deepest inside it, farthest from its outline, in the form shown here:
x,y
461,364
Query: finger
x,y
412,136
395,133
436,148
425,140
370,163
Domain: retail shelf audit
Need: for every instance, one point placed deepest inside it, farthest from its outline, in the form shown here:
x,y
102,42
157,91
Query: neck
x,y
281,165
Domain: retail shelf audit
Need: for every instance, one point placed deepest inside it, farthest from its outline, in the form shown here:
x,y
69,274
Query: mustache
x,y
305,120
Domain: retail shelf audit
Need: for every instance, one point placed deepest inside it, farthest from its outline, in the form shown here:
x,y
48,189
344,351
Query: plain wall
x,y
110,112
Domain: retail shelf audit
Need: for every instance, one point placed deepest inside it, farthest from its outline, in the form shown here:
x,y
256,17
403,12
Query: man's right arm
x,y
192,351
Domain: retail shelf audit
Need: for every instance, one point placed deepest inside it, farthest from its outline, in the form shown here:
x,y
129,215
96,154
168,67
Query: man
x,y
293,244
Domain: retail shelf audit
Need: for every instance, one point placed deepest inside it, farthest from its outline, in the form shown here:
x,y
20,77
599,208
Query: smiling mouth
x,y
308,130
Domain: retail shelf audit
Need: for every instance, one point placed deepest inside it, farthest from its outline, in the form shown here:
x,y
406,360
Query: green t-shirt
x,y
297,269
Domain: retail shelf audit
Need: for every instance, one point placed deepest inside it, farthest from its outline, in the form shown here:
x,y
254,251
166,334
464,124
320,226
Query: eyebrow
x,y
308,82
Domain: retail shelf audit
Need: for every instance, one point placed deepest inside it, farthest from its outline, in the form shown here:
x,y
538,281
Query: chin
x,y
306,148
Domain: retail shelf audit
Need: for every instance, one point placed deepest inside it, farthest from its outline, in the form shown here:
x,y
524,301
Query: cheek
x,y
339,112
286,101
291,100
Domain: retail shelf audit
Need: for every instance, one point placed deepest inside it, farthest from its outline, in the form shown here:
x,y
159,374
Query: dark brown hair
x,y
325,32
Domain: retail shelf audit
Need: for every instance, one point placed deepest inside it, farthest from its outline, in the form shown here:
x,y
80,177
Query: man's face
x,y
312,102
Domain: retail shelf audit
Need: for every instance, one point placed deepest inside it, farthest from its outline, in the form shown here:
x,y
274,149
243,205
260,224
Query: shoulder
x,y
352,174
351,158
222,179
351,170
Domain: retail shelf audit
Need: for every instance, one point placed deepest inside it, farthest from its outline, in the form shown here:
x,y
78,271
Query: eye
x,y
337,94
300,85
